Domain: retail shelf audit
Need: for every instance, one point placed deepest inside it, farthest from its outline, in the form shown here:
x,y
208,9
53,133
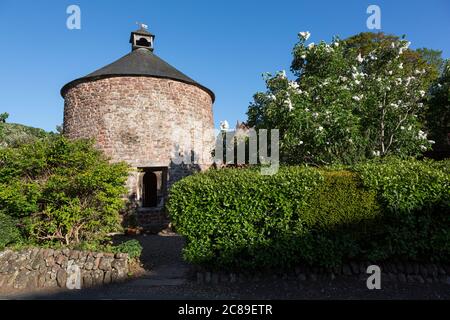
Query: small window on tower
x,y
143,42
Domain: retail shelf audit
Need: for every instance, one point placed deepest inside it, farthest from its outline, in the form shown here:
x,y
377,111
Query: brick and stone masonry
x,y
137,120
143,111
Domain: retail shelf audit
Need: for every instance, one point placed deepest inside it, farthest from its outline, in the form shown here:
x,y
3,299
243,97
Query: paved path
x,y
167,276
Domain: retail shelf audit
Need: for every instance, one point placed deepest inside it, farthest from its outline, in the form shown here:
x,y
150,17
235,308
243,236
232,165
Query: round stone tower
x,y
141,110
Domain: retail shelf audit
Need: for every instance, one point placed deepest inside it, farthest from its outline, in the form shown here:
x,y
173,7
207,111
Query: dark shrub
x,y
9,233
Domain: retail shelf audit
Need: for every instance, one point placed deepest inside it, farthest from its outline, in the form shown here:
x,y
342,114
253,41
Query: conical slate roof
x,y
139,62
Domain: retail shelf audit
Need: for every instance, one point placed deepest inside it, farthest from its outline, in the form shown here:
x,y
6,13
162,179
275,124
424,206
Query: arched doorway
x,y
150,190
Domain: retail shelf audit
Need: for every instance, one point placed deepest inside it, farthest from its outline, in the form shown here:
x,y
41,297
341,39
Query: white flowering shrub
x,y
346,104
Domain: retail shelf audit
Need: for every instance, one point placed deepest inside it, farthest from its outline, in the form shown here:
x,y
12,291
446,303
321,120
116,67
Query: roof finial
x,y
143,26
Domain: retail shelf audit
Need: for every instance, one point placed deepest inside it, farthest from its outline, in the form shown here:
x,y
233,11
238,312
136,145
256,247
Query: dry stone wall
x,y
48,268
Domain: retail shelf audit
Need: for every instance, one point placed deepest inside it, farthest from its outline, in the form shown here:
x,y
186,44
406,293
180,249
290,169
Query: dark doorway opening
x,y
150,190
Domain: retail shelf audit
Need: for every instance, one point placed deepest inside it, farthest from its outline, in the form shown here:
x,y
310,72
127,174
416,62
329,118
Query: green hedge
x,y
240,219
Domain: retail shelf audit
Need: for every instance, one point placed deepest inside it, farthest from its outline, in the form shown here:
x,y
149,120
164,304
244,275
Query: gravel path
x,y
167,276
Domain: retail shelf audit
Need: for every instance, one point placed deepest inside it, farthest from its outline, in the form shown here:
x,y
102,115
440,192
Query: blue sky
x,y
224,45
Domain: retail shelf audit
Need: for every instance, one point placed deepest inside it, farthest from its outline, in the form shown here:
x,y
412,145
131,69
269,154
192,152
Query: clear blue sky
x,y
224,45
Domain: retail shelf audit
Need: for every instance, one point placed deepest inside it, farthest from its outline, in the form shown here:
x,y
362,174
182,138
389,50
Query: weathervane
x,y
142,25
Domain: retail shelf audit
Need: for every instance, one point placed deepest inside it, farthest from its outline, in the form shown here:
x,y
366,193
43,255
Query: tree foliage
x,y
352,99
438,115
3,117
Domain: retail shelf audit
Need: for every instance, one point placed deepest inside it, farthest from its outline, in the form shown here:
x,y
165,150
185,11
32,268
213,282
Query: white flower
x,y
304,35
408,80
328,48
422,135
439,85
432,141
311,45
336,44
350,140
320,128
422,93
417,72
293,84
356,98
394,105
300,142
400,66
376,153
288,103
357,81
390,72
342,78
272,97
306,109
402,128
423,148
303,56
224,125
315,114
359,58
404,47
420,105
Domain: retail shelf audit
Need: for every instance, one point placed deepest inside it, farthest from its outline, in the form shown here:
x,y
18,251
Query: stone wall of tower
x,y
144,121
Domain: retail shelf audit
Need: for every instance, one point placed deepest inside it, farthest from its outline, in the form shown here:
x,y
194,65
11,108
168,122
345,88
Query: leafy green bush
x,y
240,219
131,247
9,233
62,191
407,185
416,198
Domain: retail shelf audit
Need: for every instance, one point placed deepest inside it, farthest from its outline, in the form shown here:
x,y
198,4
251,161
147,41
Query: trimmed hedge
x,y
240,219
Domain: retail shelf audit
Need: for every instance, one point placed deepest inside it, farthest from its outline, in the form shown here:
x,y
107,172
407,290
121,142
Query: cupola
x,y
141,38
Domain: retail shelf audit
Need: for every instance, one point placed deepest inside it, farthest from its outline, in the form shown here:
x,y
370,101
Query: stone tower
x,y
141,110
